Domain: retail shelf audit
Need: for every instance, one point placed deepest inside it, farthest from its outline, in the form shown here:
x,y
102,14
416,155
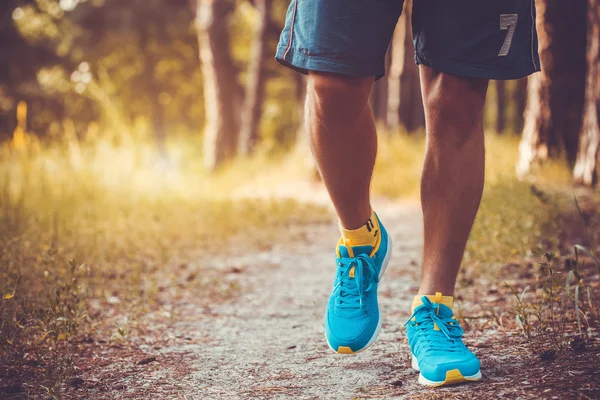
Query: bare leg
x,y
452,180
343,141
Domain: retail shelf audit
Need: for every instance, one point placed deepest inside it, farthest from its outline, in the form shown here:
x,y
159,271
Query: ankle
x,y
366,234
434,280
355,220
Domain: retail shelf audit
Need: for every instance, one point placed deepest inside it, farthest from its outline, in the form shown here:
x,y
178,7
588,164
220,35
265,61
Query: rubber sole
x,y
348,350
453,376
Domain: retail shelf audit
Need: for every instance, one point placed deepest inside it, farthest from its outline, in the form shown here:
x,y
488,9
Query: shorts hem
x,y
470,71
304,63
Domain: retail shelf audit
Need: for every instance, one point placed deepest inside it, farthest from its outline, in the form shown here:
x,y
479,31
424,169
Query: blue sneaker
x,y
435,340
352,320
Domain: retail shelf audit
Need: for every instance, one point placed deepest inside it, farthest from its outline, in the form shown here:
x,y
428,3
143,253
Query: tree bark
x,y
301,139
379,94
500,106
255,85
555,95
519,99
222,94
405,105
585,171
153,86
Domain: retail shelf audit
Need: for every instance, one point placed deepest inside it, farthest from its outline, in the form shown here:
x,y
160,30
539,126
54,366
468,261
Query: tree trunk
x,y
379,94
7,122
222,93
153,86
555,95
301,139
500,106
588,158
405,105
255,85
519,99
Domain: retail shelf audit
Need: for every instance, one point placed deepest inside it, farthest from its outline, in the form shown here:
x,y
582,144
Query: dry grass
x,y
93,237
531,226
513,215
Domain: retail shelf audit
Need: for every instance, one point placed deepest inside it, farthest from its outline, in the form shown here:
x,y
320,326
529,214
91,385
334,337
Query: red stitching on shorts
x,y
289,45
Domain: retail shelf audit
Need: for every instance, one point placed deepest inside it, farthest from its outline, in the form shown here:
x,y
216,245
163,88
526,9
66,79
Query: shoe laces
x,y
350,291
448,336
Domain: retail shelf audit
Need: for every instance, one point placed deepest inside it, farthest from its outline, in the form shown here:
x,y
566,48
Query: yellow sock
x,y
436,298
366,235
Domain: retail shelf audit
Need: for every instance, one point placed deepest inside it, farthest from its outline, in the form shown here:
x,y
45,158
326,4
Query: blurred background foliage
x,y
128,130
125,68
204,69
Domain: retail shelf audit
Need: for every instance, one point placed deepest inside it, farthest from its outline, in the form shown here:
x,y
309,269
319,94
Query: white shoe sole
x,y
452,377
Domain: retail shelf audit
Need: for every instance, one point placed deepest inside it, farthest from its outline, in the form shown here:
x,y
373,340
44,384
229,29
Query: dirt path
x,y
269,342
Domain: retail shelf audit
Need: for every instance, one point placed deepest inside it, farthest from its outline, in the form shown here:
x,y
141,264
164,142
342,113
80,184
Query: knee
x,y
338,92
454,108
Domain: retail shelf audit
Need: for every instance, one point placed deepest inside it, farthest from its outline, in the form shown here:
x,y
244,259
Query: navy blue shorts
x,y
493,39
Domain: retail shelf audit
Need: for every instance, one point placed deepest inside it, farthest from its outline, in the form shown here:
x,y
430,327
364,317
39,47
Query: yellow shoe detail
x,y
453,376
366,235
445,300
377,234
351,273
344,350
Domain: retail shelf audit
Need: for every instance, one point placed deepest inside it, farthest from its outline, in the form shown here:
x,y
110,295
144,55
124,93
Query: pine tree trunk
x,y
301,139
405,105
555,95
379,94
7,121
588,158
153,87
255,85
519,99
500,106
302,142
222,94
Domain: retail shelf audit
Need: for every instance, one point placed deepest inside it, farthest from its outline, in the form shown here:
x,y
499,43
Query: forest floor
x,y
261,336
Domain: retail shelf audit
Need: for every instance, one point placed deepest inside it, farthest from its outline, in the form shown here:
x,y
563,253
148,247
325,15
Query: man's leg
x,y
459,45
451,188
452,180
343,141
341,45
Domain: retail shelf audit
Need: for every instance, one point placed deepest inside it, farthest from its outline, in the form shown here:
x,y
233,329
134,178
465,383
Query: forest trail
x,y
268,342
